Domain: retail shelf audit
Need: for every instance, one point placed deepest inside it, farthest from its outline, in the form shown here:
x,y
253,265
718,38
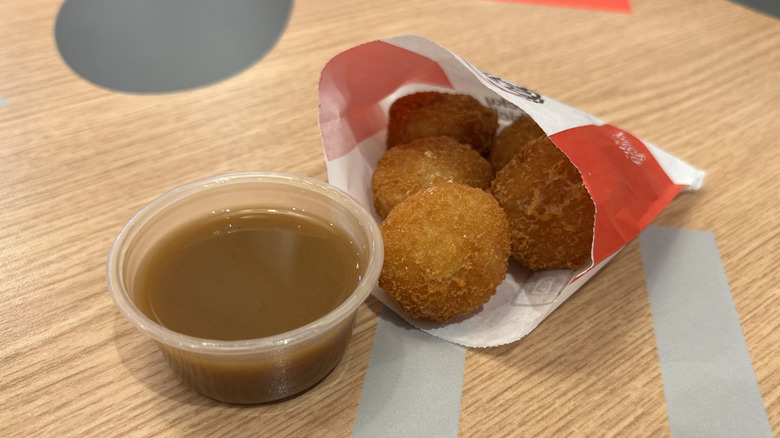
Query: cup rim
x,y
202,345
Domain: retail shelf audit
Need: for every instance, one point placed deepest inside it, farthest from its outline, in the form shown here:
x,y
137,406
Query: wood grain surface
x,y
700,79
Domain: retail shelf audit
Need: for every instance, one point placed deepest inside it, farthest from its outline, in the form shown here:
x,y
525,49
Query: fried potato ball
x,y
434,114
512,139
446,250
405,169
550,212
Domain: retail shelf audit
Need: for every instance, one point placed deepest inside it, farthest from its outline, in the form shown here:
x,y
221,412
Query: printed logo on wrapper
x,y
625,145
542,288
627,184
517,90
507,86
506,111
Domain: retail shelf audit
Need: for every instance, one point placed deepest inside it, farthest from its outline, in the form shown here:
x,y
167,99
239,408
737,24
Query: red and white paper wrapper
x,y
630,180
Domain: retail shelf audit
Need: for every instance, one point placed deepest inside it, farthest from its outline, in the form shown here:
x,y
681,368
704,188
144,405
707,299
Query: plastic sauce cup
x,y
255,370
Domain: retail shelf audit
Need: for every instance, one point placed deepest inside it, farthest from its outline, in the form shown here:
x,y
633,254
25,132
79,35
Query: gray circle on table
x,y
769,8
163,46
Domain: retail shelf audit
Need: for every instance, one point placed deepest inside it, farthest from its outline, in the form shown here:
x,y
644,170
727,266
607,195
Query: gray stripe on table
x,y
413,384
709,382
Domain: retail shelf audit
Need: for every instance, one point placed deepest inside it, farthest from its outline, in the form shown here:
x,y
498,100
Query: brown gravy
x,y
247,274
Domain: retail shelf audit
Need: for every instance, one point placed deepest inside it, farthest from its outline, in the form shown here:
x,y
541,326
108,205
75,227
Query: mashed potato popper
x,y
630,180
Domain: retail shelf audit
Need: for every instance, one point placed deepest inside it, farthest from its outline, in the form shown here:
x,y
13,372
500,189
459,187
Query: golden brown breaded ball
x,y
434,114
446,250
550,212
513,139
405,169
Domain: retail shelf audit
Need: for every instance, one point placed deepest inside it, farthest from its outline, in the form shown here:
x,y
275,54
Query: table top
x,y
702,81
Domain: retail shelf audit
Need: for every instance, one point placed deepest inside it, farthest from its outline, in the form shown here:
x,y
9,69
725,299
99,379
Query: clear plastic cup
x,y
255,370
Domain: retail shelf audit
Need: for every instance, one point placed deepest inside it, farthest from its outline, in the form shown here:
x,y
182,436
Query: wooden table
x,y
701,80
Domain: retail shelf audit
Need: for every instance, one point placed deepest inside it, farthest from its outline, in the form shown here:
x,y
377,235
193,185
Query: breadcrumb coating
x,y
446,250
405,169
550,213
512,139
435,114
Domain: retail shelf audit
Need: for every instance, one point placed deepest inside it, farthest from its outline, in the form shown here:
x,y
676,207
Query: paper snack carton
x,y
629,180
